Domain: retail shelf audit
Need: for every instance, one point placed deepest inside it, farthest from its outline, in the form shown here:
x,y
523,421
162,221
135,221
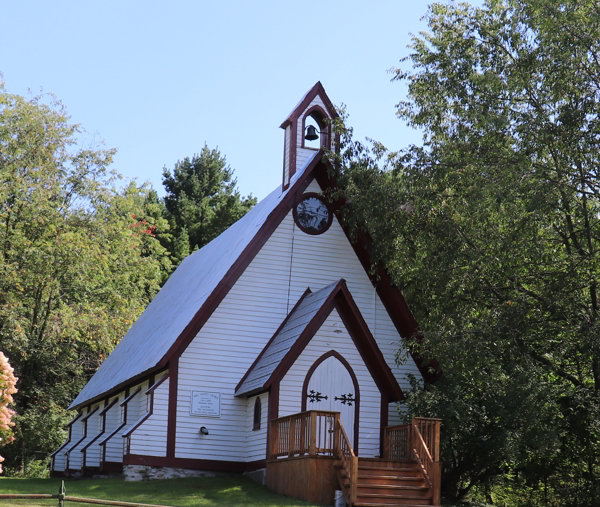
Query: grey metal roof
x,y
281,344
157,329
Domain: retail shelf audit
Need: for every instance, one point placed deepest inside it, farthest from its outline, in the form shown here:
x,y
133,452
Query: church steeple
x,y
312,114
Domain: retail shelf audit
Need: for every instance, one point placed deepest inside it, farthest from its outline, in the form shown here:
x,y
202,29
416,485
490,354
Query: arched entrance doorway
x,y
331,384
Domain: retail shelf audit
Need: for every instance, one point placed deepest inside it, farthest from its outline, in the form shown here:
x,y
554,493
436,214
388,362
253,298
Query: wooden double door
x,y
331,385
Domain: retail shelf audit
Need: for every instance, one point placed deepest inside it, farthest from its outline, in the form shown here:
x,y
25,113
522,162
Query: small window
x,y
312,214
256,425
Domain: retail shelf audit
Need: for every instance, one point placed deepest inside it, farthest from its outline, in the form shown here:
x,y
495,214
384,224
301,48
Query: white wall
x,y
150,438
114,448
256,440
290,389
93,428
76,434
237,331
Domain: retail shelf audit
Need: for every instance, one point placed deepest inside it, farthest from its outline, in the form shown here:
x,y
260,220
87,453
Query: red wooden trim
x,y
390,295
84,421
127,384
309,331
194,464
236,270
140,421
341,359
323,126
72,421
300,198
86,446
257,412
130,397
272,411
293,146
172,414
383,420
89,414
341,299
283,183
262,352
117,429
69,425
317,89
368,348
111,466
109,406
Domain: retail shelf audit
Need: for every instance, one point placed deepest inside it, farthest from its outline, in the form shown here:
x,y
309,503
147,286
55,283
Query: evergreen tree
x,y
201,201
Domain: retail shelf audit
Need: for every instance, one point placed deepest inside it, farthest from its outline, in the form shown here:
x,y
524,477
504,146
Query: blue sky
x,y
157,80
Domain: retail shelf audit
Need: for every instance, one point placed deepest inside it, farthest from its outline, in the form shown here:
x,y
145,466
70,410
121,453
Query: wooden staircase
x,y
310,456
408,474
383,483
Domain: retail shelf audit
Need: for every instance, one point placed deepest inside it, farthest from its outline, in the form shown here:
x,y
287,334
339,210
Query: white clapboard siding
x,y
256,440
223,350
93,428
59,462
150,438
92,458
114,447
325,340
76,434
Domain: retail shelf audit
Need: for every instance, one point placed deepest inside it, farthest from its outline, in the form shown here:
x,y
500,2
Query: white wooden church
x,y
272,348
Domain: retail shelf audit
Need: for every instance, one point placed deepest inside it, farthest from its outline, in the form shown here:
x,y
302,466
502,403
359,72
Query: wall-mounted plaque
x,y
206,404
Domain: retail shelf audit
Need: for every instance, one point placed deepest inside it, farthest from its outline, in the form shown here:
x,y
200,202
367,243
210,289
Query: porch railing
x,y
307,433
420,441
315,433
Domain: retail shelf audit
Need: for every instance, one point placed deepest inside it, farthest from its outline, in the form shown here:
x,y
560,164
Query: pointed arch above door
x,y
331,395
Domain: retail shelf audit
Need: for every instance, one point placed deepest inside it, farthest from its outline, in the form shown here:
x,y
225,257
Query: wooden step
x,y
392,499
390,472
382,480
386,489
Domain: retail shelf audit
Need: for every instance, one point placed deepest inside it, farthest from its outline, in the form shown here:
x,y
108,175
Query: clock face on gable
x,y
312,214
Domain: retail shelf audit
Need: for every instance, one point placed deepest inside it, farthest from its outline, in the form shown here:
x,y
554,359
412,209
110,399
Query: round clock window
x,y
312,215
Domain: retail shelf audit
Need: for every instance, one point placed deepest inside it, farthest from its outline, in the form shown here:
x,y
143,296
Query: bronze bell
x,y
311,133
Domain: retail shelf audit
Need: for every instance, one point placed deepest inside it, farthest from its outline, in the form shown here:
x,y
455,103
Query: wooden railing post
x,y
292,437
436,483
354,480
386,444
312,450
336,435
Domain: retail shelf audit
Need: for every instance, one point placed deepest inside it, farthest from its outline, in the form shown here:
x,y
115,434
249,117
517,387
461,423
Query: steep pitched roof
x,y
284,338
299,327
200,283
157,330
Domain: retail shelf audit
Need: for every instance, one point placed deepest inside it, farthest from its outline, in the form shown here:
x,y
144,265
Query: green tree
x,y
78,264
491,229
201,202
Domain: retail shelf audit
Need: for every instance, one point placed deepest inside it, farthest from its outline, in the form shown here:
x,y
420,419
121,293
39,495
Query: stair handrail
x,y
430,468
349,462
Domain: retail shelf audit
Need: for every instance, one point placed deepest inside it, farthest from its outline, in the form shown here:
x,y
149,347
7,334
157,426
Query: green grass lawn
x,y
200,492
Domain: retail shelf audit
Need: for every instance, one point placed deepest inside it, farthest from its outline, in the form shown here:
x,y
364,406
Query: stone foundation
x,y
146,473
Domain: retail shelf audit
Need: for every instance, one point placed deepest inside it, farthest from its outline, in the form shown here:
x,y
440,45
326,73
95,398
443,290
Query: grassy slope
x,y
200,492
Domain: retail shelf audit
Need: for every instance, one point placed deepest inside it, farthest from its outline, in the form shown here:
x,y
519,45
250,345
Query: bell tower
x,y
307,129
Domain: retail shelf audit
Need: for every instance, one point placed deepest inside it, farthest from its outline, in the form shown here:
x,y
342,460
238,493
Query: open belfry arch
x,y
271,349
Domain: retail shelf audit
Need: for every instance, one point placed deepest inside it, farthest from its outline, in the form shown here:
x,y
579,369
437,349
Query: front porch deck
x,y
310,456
